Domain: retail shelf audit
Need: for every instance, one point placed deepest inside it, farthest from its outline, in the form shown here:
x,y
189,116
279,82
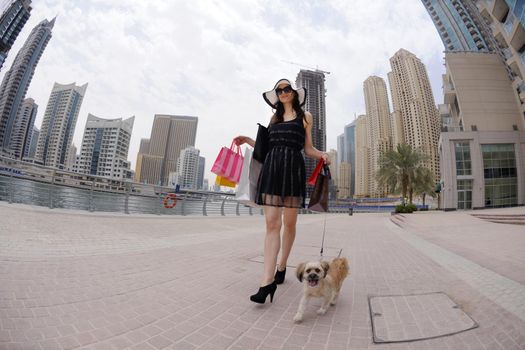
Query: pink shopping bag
x,y
229,163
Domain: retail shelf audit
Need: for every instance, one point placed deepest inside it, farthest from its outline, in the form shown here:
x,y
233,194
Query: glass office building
x,y
456,27
349,153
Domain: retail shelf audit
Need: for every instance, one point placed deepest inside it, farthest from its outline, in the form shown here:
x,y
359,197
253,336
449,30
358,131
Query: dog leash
x,y
322,242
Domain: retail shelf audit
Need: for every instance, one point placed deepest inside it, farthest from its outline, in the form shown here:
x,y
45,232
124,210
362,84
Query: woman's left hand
x,y
325,159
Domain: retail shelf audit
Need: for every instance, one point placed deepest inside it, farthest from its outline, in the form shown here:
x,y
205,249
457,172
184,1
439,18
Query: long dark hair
x,y
278,116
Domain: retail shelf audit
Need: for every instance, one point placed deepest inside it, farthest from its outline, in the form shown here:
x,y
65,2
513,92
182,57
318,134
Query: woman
x,y
282,183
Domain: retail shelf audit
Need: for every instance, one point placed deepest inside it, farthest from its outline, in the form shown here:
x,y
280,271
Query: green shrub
x,y
400,208
411,207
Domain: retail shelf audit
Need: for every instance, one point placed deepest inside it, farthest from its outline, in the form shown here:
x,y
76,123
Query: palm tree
x,y
423,183
397,169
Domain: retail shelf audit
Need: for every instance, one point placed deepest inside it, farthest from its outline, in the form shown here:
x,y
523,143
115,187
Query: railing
x,y
27,183
522,57
56,194
450,128
506,53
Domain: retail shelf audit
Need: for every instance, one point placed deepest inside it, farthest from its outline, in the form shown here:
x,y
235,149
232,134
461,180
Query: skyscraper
x,y
344,180
362,157
23,129
340,149
58,126
17,79
334,166
13,16
170,134
105,145
34,141
346,153
490,25
506,25
200,174
379,127
414,104
482,144
334,172
455,25
71,158
349,156
313,81
188,168
144,146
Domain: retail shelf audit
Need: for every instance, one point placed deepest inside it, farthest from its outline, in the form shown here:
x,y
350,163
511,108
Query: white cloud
x,y
213,59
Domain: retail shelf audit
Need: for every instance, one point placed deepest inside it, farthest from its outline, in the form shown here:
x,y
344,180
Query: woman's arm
x,y
309,148
239,140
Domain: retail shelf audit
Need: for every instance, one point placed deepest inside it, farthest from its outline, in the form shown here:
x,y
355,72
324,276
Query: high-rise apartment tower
x,y
20,141
105,146
361,157
17,79
414,106
58,126
379,128
13,16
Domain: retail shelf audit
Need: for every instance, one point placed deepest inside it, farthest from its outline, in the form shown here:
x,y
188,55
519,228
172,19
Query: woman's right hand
x,y
239,140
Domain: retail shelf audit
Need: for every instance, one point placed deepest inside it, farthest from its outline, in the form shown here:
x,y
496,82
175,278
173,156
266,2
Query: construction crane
x,y
305,66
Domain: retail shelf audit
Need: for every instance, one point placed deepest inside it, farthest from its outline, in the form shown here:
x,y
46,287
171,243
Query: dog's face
x,y
312,272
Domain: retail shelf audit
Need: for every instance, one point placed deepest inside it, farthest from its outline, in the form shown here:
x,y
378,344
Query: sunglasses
x,y
286,90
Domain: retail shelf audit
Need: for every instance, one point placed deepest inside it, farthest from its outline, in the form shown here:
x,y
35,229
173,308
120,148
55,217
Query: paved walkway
x,y
82,280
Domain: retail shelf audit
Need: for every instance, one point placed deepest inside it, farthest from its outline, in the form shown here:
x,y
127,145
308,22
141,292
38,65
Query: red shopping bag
x,y
229,163
313,178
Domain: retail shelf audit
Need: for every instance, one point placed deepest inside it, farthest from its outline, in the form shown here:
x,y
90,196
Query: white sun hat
x,y
271,96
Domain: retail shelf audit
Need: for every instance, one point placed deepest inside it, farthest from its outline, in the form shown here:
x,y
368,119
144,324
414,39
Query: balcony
x,y
449,93
485,10
498,34
517,40
506,53
500,10
521,91
444,110
450,128
509,23
514,62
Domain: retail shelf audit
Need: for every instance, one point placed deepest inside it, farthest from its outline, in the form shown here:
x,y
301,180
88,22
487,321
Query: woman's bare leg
x,y
272,242
290,222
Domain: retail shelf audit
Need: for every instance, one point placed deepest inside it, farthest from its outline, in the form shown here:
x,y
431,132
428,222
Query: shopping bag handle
x,y
315,173
327,172
234,146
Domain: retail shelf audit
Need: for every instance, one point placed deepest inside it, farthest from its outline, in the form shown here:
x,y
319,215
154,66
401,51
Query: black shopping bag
x,y
319,198
261,144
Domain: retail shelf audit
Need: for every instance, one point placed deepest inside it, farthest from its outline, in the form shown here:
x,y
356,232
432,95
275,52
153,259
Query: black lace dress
x,y
282,182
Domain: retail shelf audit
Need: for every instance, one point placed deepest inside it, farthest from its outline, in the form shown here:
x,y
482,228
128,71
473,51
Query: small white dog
x,y
321,280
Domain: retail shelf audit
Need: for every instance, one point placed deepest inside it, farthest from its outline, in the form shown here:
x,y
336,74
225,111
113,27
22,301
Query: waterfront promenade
x,y
80,280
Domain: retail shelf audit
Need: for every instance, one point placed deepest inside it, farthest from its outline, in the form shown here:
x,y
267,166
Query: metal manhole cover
x,y
305,253
403,318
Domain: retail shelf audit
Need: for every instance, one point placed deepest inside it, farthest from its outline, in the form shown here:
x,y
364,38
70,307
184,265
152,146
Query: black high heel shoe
x,y
279,276
263,292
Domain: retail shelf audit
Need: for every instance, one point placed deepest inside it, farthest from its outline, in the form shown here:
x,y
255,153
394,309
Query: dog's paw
x,y
333,302
321,311
298,318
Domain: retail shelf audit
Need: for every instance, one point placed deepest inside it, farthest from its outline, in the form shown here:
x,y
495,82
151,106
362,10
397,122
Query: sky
x,y
214,59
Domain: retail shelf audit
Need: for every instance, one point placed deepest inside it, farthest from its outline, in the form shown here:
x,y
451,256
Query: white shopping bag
x,y
247,187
